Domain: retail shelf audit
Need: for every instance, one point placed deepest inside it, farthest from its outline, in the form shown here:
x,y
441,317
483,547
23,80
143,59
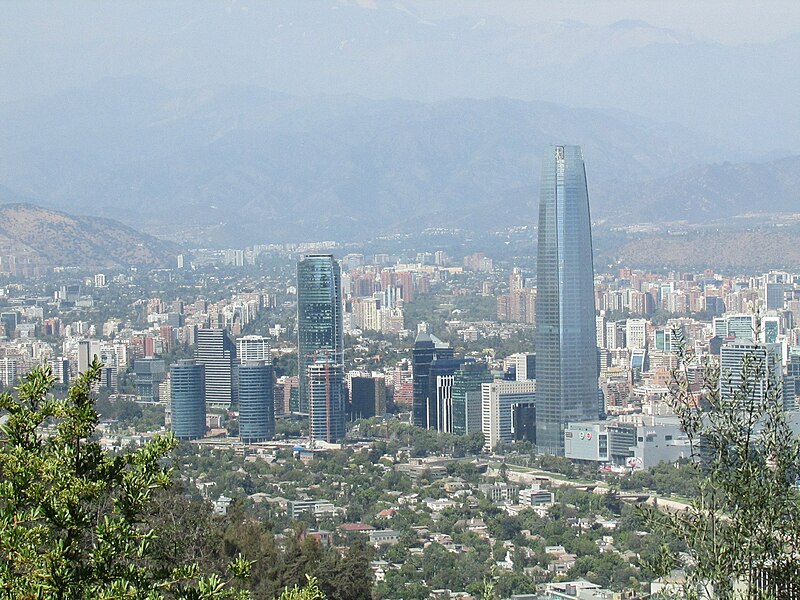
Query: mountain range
x,y
706,192
738,91
227,166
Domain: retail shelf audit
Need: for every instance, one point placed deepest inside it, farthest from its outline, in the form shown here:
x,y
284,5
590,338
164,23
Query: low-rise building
x,y
535,496
315,508
499,491
384,537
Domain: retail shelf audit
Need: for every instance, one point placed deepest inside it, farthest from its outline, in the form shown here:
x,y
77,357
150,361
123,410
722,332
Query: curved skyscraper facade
x,y
188,403
566,367
256,402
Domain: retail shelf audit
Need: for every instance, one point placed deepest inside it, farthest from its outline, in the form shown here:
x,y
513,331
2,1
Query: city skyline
x,y
400,299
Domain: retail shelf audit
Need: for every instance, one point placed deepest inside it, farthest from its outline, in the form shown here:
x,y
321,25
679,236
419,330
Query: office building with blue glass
x,y
320,332
188,404
466,396
566,340
256,402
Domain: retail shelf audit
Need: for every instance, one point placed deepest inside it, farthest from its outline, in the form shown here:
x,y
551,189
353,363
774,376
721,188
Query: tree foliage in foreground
x,y
72,516
743,530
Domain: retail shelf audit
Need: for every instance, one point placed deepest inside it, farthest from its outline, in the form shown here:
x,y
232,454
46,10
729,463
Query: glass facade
x,y
256,402
427,348
440,380
326,397
319,317
148,373
749,373
466,394
367,397
566,369
188,405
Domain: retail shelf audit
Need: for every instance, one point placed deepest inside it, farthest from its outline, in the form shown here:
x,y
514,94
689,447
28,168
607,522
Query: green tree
x,y
73,516
354,579
311,591
744,525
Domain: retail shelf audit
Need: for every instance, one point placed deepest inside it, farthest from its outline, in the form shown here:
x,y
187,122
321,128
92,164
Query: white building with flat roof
x,y
498,401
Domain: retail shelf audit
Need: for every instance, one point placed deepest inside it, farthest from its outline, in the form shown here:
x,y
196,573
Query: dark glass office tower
x,y
256,402
427,347
320,334
566,365
188,405
367,397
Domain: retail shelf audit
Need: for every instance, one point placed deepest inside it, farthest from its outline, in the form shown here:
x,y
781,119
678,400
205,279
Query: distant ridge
x,y
707,192
47,238
233,166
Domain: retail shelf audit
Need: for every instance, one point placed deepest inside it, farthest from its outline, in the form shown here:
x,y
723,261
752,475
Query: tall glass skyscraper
x,y
256,402
320,334
566,340
188,404
427,348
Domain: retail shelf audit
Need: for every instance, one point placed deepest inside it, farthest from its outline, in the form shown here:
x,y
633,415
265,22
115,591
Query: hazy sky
x,y
49,46
727,21
725,67
121,103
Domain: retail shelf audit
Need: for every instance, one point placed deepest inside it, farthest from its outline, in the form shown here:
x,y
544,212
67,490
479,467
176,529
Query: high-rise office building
x,y
427,348
566,369
148,373
215,349
326,400
791,382
741,326
88,350
320,334
600,322
9,321
60,368
636,333
440,388
8,372
663,338
750,372
367,397
522,365
466,397
770,329
256,402
508,411
253,348
187,400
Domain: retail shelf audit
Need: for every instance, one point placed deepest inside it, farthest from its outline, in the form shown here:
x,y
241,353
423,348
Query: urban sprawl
x,y
471,417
